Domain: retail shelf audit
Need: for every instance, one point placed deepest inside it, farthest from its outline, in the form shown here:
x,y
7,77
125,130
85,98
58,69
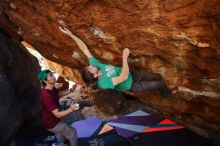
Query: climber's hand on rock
x,y
58,85
65,31
126,52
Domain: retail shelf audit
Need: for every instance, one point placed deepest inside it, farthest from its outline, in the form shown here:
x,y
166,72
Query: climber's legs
x,y
145,76
146,81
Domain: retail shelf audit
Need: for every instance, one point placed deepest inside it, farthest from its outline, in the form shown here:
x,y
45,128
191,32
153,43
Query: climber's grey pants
x,y
147,81
67,131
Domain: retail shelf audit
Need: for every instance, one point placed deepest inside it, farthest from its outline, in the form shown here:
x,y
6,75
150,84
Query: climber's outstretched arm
x,y
125,69
82,46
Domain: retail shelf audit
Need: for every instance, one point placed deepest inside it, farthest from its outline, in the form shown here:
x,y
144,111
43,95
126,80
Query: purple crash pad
x,y
86,128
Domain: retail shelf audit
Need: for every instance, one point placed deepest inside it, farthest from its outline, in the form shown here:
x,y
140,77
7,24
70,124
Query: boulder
x,y
179,40
19,90
107,101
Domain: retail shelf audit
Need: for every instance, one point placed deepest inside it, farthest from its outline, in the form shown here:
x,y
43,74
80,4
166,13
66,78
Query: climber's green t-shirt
x,y
108,72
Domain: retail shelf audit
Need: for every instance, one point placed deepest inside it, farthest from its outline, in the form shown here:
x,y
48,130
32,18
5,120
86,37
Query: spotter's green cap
x,y
43,74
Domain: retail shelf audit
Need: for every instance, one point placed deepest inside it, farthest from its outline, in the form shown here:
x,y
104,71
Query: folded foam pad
x,y
164,126
106,128
138,113
139,121
178,137
86,128
37,139
109,139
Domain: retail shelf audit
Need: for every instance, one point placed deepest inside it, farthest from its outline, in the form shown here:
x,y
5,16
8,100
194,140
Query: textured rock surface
x,y
67,72
19,90
180,40
108,101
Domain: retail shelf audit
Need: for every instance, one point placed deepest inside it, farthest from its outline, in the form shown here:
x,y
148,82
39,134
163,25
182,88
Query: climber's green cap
x,y
43,74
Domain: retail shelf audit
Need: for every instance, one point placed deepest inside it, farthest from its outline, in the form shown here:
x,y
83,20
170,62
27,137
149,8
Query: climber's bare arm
x,y
64,93
125,69
82,46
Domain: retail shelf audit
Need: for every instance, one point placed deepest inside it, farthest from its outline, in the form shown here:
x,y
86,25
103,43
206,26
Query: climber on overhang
x,y
112,77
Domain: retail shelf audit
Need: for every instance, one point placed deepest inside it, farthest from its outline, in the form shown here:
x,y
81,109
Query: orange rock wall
x,y
178,39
